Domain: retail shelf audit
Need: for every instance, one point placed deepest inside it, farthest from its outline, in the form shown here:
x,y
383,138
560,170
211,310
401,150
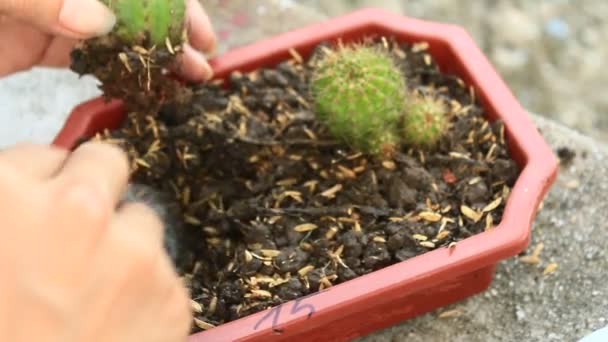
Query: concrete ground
x,y
523,304
34,104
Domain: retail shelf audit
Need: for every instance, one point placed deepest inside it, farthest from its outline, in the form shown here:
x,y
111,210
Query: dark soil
x,y
273,209
133,73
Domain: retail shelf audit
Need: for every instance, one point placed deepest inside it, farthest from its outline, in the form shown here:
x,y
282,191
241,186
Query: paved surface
x,y
33,105
522,303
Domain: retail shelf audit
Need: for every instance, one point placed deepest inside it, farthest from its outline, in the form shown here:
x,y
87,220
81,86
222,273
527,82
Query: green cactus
x,y
132,61
424,122
160,19
359,93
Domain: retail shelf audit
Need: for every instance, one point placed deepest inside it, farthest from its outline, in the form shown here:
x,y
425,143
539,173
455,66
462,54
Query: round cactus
x,y
424,121
156,20
359,94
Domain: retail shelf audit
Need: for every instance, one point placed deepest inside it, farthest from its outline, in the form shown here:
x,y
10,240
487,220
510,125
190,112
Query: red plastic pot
x,y
417,285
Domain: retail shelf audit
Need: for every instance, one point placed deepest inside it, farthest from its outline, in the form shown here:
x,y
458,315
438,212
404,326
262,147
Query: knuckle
x,y
144,227
85,200
150,220
111,154
144,260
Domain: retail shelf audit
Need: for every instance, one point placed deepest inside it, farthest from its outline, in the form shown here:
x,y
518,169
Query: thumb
x,y
78,19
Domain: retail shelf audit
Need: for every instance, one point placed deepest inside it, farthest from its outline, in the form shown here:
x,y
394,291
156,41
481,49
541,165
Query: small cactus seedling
x,y
424,121
131,62
359,94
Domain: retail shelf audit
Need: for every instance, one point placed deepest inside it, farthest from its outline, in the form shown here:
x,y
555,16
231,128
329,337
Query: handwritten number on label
x,y
275,312
297,307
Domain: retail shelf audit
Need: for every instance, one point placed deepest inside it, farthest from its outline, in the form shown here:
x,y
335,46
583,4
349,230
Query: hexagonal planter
x,y
421,283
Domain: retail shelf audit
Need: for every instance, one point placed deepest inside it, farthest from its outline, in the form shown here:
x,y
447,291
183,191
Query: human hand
x,y
42,33
73,266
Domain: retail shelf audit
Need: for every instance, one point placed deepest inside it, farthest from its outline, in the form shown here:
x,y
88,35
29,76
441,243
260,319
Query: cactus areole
x,y
133,60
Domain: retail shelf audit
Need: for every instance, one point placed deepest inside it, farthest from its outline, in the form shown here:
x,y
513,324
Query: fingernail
x,y
196,66
86,18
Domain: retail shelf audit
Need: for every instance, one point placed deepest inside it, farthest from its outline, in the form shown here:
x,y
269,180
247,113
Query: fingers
x,y
136,238
21,46
100,165
35,160
85,194
177,311
193,66
132,281
200,31
72,18
26,46
141,220
81,19
57,53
